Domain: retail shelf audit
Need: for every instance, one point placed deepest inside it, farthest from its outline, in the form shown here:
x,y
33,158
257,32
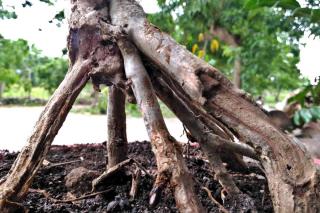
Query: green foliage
x,y
49,2
309,94
266,33
5,13
305,115
12,55
22,64
50,72
286,4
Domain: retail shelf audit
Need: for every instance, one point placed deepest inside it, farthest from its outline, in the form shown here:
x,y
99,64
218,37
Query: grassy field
x,y
91,102
88,102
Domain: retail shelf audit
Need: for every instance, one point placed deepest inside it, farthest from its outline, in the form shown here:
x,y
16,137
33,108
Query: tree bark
x,y
89,57
2,85
212,145
30,158
213,109
292,177
117,145
170,162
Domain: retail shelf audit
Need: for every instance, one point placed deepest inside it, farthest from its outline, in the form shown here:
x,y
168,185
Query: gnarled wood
x,y
30,159
88,56
170,163
208,104
292,177
117,145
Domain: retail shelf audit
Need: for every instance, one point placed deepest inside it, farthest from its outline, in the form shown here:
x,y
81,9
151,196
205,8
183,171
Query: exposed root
x,y
10,206
142,168
221,207
136,177
48,196
85,196
155,194
171,166
50,165
109,173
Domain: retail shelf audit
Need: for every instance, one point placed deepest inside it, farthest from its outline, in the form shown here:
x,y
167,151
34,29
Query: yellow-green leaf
x,y
195,47
201,53
200,37
214,45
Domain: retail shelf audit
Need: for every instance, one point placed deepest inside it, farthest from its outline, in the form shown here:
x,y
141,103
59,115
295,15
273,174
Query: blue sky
x,y
52,39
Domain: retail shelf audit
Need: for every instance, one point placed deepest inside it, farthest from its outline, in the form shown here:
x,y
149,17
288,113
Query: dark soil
x,y
52,180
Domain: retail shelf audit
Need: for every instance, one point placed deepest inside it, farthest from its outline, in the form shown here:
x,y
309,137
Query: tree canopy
x,y
264,35
257,39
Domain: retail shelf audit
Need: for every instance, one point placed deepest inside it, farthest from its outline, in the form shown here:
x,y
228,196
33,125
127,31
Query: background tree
x,y
259,39
212,109
12,55
50,72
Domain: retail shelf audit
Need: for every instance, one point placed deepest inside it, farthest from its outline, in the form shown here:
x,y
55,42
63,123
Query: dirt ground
x,y
49,184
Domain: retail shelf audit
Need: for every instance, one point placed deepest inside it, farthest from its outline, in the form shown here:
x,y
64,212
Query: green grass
x,y
86,95
16,91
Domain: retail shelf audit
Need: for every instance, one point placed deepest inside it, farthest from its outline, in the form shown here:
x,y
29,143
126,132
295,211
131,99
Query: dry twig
x,y
221,207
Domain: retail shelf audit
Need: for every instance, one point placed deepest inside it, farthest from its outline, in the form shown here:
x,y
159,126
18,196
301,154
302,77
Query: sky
x,y
33,25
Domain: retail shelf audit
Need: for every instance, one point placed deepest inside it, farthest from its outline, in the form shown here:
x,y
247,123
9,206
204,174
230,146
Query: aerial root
x,y
161,182
109,173
86,196
136,177
221,207
10,206
103,178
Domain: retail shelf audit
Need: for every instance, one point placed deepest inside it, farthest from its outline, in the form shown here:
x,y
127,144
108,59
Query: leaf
x,y
195,47
201,53
47,1
296,119
315,112
60,16
214,45
305,115
212,62
285,4
200,37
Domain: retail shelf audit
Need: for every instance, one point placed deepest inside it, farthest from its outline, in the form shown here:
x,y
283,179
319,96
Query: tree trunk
x,y
292,177
117,145
210,106
2,85
237,72
51,119
89,57
170,163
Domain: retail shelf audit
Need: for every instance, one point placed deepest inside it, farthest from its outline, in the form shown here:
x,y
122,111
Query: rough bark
x,y
216,110
170,163
90,56
292,177
212,145
117,144
48,125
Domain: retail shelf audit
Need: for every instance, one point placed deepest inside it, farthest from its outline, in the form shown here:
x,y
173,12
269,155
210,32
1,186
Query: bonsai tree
x,y
112,43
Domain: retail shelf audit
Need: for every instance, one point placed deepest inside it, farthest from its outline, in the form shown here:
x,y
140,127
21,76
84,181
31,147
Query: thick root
x,y
170,162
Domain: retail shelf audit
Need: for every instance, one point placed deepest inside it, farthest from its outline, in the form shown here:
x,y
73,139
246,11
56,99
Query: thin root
x,y
48,196
221,207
